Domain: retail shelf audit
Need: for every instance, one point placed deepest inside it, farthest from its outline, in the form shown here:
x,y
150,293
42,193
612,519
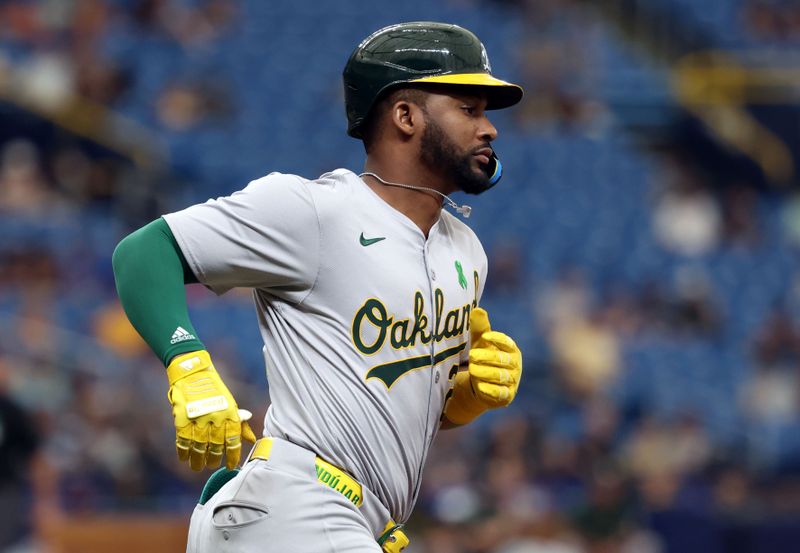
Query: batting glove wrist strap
x,y
208,423
463,407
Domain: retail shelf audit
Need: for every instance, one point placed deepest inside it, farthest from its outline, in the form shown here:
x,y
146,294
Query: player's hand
x,y
492,379
495,362
208,423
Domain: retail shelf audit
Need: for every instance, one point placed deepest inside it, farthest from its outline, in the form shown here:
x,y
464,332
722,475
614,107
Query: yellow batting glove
x,y
208,423
495,369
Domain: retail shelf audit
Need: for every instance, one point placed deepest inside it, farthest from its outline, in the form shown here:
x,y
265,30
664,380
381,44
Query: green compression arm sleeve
x,y
150,272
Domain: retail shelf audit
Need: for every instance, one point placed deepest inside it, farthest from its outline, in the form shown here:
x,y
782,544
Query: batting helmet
x,y
418,52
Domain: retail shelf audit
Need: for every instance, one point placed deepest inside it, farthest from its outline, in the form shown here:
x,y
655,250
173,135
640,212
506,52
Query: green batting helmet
x,y
418,52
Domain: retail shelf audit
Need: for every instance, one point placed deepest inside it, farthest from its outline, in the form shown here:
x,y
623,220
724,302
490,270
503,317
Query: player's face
x,y
456,140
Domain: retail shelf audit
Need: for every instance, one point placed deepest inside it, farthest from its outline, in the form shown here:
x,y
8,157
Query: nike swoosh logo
x,y
369,241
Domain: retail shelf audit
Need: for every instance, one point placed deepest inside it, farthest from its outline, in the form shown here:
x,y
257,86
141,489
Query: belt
x,y
328,474
392,540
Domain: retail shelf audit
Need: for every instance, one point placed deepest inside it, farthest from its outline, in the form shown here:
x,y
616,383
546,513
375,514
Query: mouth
x,y
483,155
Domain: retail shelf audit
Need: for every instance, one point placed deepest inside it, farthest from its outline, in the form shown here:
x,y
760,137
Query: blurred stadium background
x,y
643,250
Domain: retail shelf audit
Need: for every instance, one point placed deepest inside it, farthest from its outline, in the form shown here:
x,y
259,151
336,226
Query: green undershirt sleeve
x,y
151,272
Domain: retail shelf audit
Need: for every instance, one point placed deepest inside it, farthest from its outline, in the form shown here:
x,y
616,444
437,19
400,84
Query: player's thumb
x,y
247,432
478,324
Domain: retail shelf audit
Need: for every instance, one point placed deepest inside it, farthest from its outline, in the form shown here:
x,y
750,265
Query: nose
x,y
487,131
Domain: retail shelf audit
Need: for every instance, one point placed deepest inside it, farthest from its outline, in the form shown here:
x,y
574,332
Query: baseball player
x,y
367,295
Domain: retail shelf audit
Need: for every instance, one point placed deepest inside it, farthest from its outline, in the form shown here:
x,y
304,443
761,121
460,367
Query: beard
x,y
440,154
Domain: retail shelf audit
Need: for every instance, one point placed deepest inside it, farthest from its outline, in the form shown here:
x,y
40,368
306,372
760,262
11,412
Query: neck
x,y
423,207
464,210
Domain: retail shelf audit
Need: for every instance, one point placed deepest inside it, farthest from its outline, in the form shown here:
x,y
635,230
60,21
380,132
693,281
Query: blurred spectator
x,y
687,220
734,495
73,171
31,270
623,313
739,204
442,537
452,496
691,445
587,354
509,490
205,23
57,179
565,301
662,456
777,342
560,472
86,21
689,310
183,106
24,188
190,25
101,80
658,447
560,68
772,393
655,307
113,330
790,218
693,310
607,521
47,81
773,20
20,20
506,261
550,534
19,439
601,427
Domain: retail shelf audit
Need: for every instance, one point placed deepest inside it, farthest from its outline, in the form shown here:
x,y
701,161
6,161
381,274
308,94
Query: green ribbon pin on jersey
x,y
462,280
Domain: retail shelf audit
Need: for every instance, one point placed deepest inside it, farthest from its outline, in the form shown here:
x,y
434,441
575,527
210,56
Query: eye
x,y
469,110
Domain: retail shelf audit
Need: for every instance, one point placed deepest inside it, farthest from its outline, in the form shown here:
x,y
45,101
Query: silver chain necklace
x,y
464,210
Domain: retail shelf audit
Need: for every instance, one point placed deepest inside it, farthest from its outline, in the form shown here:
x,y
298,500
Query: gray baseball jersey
x,y
364,319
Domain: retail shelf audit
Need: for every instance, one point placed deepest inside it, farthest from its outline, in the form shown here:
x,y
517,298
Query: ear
x,y
407,117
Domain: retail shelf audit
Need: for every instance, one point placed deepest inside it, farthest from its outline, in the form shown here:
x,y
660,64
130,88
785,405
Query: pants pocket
x,y
238,514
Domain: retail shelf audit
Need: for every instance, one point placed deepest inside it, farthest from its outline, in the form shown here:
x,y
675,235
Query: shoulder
x,y
335,192
340,180
276,179
330,188
274,185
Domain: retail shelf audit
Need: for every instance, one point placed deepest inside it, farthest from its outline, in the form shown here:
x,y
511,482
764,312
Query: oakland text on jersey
x,y
405,333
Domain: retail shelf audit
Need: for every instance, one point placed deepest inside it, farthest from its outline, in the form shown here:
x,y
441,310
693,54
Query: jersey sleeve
x,y
265,236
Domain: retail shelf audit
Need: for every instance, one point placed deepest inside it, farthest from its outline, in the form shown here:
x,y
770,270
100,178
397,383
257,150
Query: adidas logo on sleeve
x,y
181,335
